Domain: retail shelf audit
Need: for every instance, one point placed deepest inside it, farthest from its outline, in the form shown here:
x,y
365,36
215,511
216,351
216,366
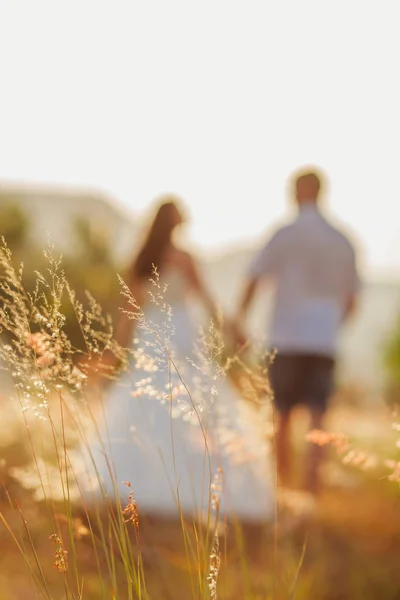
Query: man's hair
x,y
309,175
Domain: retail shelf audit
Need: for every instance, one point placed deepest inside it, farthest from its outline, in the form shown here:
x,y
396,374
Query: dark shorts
x,y
301,379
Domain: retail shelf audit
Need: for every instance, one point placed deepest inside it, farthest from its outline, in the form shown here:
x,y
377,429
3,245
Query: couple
x,y
174,428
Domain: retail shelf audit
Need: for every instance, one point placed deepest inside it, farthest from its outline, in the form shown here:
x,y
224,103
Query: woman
x,y
174,428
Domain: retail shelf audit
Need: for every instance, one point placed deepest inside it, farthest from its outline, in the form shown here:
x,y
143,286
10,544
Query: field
x,y
342,544
349,536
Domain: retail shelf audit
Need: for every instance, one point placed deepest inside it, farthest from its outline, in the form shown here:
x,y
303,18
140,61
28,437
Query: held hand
x,y
236,334
241,338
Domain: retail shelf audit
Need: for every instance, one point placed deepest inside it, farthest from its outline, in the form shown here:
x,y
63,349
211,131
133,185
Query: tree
x,y
14,224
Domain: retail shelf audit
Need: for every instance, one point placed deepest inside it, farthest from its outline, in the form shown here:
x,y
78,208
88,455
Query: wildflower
x,y
323,438
130,511
60,556
147,390
145,362
360,458
351,456
39,342
394,465
216,489
215,565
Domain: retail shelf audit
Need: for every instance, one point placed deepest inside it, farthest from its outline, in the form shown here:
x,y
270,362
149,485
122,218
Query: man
x,y
313,267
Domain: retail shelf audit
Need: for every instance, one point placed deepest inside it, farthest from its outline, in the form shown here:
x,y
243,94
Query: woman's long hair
x,y
159,236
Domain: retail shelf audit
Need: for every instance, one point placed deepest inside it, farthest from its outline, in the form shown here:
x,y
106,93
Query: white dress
x,y
176,431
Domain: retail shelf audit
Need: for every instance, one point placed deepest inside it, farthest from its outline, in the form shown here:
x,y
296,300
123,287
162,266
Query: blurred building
x,y
61,212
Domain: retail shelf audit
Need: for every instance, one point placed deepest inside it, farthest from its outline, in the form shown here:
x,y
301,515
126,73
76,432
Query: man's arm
x,y
354,286
265,264
246,299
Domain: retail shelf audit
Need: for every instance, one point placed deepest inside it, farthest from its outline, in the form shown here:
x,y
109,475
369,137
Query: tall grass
x,y
101,545
51,380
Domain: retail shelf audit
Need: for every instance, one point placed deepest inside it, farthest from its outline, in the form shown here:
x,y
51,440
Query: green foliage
x,y
14,223
89,266
392,354
391,361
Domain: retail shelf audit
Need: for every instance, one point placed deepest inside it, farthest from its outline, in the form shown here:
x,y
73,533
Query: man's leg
x,y
283,377
320,371
314,454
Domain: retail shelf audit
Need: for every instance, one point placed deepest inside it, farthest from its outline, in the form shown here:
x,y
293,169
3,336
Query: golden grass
x,y
343,545
353,547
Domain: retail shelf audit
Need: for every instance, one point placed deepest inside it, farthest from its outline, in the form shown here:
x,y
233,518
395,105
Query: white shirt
x,y
313,266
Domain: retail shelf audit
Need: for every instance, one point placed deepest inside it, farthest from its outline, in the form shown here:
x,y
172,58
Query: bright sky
x,y
215,99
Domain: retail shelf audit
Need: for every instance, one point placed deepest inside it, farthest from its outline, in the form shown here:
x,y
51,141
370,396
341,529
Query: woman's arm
x,y
199,287
229,327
